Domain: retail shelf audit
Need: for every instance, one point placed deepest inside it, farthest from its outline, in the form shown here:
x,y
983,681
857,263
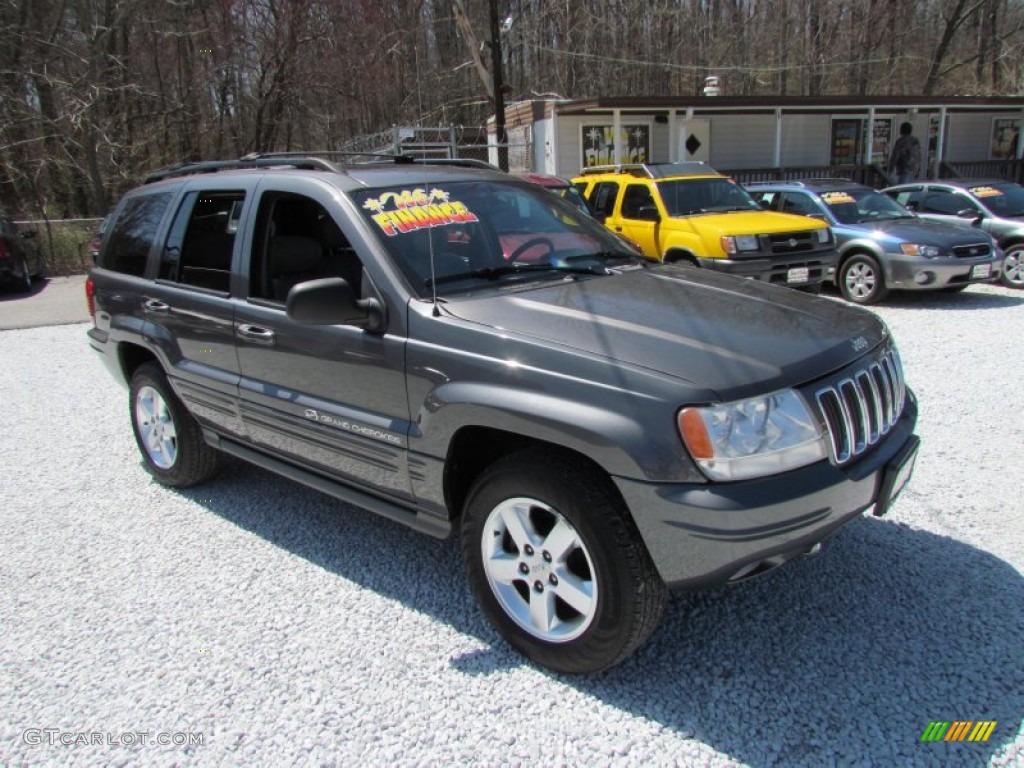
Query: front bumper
x,y
714,533
818,266
914,273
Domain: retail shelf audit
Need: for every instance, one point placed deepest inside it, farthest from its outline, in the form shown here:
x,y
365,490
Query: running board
x,y
432,526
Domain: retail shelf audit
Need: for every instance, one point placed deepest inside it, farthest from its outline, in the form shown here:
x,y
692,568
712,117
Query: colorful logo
x,y
958,730
414,209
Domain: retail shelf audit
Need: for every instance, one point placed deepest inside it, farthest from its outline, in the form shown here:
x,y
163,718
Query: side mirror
x,y
970,213
648,212
330,301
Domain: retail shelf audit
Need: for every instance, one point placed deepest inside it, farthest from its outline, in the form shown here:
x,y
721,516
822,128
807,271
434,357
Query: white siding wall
x,y
805,139
748,141
968,137
569,144
542,148
742,141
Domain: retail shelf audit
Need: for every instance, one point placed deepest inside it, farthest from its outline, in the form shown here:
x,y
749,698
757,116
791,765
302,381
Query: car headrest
x,y
294,253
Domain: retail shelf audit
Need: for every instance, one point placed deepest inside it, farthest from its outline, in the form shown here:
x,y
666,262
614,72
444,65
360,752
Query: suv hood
x,y
736,337
752,222
919,230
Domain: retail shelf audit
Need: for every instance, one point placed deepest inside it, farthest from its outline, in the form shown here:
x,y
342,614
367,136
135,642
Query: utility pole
x,y
493,82
501,135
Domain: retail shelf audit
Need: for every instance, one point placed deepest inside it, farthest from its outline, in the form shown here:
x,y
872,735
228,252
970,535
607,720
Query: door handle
x,y
256,333
618,229
156,306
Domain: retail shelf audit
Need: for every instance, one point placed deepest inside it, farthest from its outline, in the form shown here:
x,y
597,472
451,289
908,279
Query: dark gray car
x,y
883,246
462,351
992,205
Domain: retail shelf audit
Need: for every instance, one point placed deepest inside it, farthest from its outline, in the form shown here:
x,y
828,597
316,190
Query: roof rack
x,y
310,161
805,182
655,170
249,161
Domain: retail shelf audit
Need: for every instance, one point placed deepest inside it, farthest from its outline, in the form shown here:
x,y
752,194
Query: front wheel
x,y
169,438
861,280
556,563
1013,269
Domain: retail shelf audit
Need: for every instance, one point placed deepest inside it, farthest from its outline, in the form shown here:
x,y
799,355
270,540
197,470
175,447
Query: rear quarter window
x,y
134,233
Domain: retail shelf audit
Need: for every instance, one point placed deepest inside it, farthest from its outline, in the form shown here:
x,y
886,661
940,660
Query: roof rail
x,y
655,170
804,182
465,162
249,161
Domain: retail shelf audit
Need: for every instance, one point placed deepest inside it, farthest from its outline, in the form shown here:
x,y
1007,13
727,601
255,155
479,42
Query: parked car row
x,y
936,236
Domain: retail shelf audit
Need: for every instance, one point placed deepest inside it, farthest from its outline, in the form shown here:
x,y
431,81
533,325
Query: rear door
x,y
188,307
332,398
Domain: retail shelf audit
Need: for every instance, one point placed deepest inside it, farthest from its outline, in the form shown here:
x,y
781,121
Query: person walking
x,y
905,159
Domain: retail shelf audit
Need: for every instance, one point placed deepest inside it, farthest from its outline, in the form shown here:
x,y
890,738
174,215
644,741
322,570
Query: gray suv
x,y
465,353
881,244
992,205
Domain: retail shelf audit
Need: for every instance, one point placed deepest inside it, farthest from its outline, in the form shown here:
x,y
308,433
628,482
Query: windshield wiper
x,y
600,265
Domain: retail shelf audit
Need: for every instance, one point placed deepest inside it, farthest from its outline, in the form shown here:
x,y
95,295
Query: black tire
x,y
1013,266
40,274
25,284
861,280
168,437
543,489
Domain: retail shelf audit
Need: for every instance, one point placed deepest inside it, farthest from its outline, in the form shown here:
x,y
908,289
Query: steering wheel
x,y
531,243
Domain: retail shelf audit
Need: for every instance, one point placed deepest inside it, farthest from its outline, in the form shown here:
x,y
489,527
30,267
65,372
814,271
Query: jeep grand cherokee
x,y
464,352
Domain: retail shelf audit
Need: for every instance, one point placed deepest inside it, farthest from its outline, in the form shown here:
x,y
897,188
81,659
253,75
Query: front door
x,y
332,398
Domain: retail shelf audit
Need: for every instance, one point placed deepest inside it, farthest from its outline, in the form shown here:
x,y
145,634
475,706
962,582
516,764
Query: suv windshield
x,y
1001,198
685,197
857,206
483,233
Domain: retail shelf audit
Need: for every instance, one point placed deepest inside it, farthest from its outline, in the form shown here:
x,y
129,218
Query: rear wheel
x,y
1013,268
861,280
25,283
168,436
557,564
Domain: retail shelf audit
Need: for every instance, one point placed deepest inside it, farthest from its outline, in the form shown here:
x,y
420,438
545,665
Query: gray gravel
x,y
287,629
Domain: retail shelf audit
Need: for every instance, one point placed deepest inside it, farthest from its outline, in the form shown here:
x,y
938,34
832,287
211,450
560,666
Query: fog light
x,y
924,278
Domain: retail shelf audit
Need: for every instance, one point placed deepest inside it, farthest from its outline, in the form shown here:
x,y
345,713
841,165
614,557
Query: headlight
x,y
731,244
824,235
914,249
750,438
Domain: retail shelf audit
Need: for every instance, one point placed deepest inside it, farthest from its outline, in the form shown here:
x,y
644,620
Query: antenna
x,y
433,274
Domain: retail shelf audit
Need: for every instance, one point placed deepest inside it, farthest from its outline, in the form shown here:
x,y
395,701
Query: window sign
x,y
598,142
1005,138
881,142
846,142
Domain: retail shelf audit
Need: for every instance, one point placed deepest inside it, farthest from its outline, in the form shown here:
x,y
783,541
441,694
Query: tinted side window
x,y
908,198
636,197
202,240
602,199
796,202
134,233
949,203
298,240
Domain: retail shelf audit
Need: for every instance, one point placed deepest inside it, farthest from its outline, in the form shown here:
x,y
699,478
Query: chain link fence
x,y
64,243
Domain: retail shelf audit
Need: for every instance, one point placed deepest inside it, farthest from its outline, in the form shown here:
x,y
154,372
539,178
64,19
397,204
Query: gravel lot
x,y
287,629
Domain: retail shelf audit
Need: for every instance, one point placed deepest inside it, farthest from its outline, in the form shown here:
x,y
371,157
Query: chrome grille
x,y
970,251
862,407
793,242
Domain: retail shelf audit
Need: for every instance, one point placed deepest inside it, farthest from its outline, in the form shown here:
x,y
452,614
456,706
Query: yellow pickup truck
x,y
688,212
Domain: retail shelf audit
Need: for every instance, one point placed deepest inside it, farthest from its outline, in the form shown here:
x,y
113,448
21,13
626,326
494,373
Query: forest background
x,y
94,93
